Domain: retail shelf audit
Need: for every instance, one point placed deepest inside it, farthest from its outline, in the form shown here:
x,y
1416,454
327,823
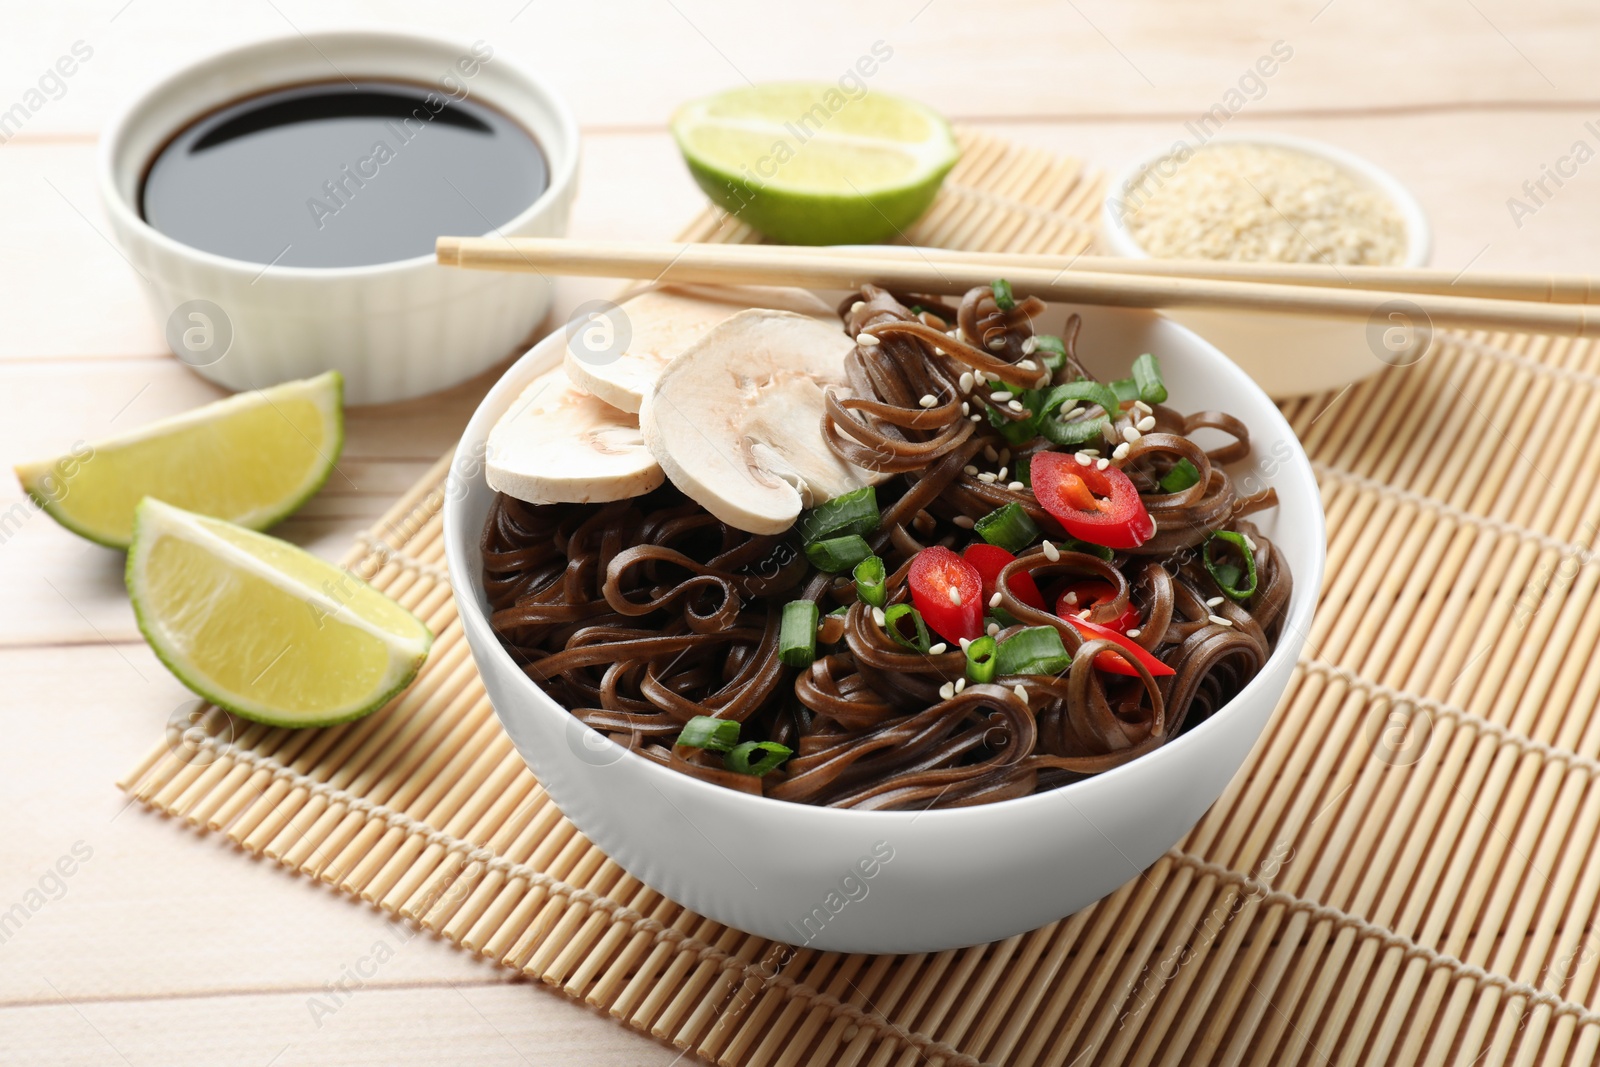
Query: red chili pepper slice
x,y
948,592
990,560
1091,593
1094,505
1110,661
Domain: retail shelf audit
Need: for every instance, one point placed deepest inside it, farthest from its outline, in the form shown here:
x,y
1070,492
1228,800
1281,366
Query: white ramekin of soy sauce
x,y
279,202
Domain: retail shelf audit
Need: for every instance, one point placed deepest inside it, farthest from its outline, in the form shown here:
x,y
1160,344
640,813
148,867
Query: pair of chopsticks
x,y
1559,304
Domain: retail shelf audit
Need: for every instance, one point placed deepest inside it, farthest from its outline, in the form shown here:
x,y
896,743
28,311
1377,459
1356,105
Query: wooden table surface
x,y
167,947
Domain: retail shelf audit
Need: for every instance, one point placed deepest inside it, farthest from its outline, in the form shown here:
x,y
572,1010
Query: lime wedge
x,y
811,164
251,459
265,629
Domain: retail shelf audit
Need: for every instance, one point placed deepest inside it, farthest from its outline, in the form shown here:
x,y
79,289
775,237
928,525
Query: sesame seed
x,y
1014,405
1101,464
994,601
1213,602
1135,632
1022,694
977,418
1251,545
955,596
966,408
986,477
935,650
947,690
1001,474
961,683
1219,620
1070,598
928,400
1084,614
1028,346
1091,451
938,351
965,641
878,616
1000,394
990,454
992,629
1131,434
964,522
997,343
1083,460
969,470
966,381
1120,452
866,339
858,305
1027,364
1074,413
1051,552
1146,424
1015,486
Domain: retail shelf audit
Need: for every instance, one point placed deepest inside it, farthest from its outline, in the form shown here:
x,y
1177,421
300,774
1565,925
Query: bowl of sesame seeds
x,y
1272,198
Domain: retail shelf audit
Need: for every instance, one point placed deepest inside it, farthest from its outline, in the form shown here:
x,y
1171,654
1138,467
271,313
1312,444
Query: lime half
x,y
251,459
263,628
812,164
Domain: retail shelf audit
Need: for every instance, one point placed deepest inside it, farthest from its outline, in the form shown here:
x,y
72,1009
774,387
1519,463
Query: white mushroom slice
x,y
736,420
663,322
558,444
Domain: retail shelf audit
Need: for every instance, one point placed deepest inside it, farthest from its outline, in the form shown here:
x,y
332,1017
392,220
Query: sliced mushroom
x,y
736,420
662,322
559,444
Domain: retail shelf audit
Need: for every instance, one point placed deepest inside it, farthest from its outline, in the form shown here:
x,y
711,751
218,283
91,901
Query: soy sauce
x,y
341,174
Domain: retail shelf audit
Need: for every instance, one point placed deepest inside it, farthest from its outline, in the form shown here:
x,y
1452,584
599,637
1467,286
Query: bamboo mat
x,y
1402,872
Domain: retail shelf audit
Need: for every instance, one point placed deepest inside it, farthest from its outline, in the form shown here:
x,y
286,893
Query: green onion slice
x,y
1036,650
797,634
1227,575
1049,348
1076,432
891,622
981,659
841,611
1147,378
1182,475
870,578
838,553
855,512
1072,544
1009,527
1126,389
772,755
703,731
1002,294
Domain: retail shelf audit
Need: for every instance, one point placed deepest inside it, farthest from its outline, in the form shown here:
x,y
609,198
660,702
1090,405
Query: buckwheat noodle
x,y
639,615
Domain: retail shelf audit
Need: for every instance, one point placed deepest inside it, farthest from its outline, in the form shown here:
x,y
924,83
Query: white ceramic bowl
x,y
395,330
953,877
1287,355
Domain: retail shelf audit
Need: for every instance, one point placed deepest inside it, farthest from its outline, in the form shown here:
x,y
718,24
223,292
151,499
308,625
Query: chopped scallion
x,y
797,634
891,622
1036,650
1072,544
1002,294
841,611
1147,378
838,553
1076,432
855,512
1009,527
1049,348
704,731
772,756
1182,476
1126,389
1229,579
870,577
981,659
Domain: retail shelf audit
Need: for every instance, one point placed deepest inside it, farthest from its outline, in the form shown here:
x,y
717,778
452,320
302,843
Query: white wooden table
x,y
165,947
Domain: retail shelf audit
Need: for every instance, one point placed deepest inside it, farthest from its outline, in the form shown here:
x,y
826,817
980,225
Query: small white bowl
x,y
394,330
1287,355
939,879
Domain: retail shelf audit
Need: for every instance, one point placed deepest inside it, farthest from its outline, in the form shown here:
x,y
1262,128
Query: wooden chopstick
x,y
833,268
